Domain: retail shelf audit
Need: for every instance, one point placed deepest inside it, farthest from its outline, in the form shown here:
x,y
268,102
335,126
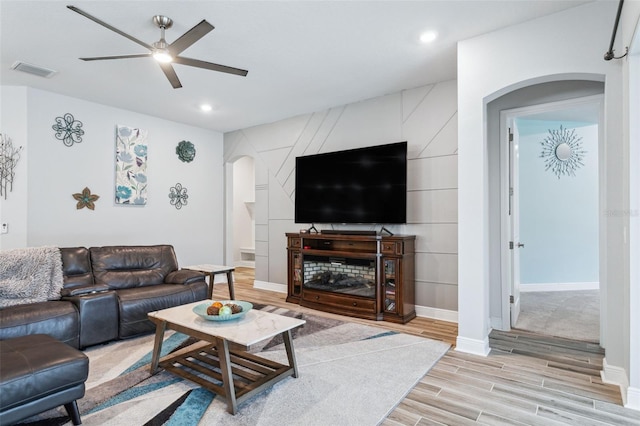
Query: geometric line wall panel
x,y
431,115
438,238
438,206
412,98
445,142
437,267
432,173
437,295
277,135
366,123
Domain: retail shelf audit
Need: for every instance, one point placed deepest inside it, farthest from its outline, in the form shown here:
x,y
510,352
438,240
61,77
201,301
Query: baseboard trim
x,y
525,288
265,285
615,375
473,346
436,313
633,398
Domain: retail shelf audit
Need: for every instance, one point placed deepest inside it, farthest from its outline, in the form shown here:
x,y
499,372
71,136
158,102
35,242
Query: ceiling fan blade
x,y
100,58
114,29
209,66
190,37
171,75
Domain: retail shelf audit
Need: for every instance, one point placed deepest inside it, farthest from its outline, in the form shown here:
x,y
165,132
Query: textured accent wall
x,y
425,117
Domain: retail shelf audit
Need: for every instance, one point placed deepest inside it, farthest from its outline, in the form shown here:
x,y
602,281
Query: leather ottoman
x,y
38,373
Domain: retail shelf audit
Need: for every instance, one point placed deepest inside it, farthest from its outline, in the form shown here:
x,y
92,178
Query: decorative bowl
x,y
201,310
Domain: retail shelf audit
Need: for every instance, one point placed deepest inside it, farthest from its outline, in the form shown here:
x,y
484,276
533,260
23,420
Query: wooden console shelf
x,y
365,276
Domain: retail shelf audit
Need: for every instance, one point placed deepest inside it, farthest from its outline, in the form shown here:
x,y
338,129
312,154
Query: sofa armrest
x,y
84,289
184,276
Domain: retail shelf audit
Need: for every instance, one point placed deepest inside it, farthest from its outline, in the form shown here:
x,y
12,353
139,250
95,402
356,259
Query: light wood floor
x,y
527,379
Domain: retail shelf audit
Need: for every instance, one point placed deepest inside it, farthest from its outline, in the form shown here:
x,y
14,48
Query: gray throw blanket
x,y
30,275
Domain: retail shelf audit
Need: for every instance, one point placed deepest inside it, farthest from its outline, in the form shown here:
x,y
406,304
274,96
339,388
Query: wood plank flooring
x,y
527,379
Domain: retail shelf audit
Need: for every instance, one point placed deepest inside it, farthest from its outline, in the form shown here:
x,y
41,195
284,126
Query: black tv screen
x,y
364,185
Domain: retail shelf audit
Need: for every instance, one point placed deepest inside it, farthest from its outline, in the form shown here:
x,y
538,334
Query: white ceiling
x,y
302,56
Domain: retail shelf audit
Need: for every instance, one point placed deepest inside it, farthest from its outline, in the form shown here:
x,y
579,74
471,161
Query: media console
x,y
365,276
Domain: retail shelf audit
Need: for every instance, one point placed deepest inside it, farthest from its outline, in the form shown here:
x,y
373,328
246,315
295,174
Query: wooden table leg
x,y
227,377
232,293
291,356
161,326
211,278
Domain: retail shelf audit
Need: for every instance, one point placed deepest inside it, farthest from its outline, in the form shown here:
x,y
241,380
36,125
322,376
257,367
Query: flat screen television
x,y
364,185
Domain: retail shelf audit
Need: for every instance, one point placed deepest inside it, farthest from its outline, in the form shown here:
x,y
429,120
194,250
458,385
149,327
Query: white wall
x,y
426,118
558,215
56,171
629,35
567,45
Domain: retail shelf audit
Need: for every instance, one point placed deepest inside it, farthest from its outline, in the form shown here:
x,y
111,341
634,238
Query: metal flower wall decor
x,y
562,152
186,151
178,196
86,199
68,129
9,157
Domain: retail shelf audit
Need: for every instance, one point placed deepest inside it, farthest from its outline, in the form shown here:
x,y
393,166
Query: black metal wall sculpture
x,y
178,196
9,157
68,129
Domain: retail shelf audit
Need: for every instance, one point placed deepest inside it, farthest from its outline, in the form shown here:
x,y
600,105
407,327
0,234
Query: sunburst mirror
x,y
562,152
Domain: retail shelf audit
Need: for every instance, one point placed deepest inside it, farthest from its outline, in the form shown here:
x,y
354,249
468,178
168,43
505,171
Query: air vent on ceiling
x,y
33,69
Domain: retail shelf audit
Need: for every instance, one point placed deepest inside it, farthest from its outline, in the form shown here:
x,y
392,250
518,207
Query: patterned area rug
x,y
350,374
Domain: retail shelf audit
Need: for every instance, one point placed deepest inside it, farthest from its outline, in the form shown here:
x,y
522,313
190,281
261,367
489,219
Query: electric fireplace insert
x,y
340,275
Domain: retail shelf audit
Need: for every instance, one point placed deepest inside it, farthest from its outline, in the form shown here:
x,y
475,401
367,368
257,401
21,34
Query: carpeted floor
x,y
350,374
569,314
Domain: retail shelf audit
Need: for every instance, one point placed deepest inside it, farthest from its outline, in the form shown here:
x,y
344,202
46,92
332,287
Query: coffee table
x,y
221,362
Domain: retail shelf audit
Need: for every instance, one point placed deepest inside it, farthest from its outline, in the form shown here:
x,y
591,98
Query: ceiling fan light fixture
x,y
162,55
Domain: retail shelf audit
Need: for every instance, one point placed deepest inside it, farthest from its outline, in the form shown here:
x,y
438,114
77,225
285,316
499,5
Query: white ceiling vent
x,y
33,69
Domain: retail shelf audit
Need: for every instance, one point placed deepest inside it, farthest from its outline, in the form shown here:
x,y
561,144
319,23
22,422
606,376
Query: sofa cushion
x,y
136,303
132,266
58,319
76,267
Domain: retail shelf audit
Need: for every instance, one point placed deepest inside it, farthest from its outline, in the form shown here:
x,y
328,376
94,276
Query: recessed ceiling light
x,y
205,107
428,37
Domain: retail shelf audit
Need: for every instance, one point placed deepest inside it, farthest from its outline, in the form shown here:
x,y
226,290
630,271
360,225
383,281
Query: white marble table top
x,y
254,327
207,267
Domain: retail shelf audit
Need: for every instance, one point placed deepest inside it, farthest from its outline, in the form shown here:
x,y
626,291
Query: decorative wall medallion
x,y
178,196
186,151
68,129
131,166
9,157
562,151
86,199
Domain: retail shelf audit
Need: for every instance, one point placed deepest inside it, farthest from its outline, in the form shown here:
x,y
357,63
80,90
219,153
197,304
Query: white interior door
x,y
514,214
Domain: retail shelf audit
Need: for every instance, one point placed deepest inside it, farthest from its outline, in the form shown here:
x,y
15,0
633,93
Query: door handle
x,y
520,245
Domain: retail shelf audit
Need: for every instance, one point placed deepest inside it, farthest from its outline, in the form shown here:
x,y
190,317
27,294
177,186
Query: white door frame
x,y
507,116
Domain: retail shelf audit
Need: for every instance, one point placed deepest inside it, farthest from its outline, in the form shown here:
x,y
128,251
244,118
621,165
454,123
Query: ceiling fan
x,y
166,54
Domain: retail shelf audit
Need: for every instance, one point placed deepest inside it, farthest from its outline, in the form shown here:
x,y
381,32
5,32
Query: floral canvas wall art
x,y
131,166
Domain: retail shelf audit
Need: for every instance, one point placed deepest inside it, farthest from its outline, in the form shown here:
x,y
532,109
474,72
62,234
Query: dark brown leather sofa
x,y
107,294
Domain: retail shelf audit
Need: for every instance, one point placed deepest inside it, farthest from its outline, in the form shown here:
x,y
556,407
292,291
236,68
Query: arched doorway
x,y
529,96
